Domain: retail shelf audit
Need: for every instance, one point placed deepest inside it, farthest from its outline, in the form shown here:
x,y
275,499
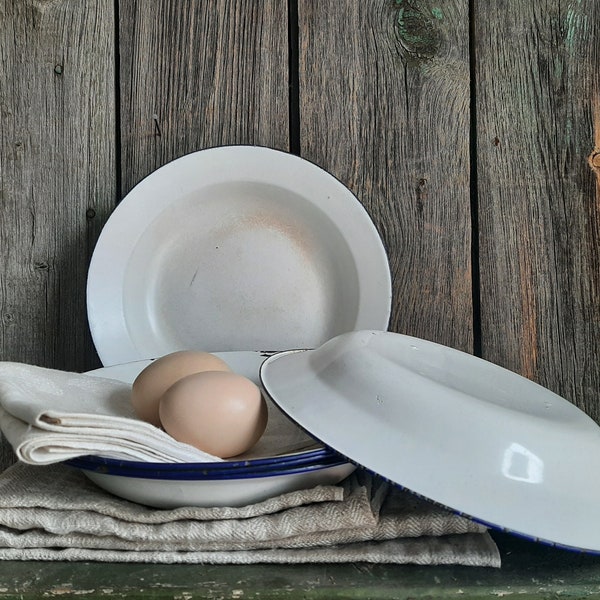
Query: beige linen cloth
x,y
49,416
55,513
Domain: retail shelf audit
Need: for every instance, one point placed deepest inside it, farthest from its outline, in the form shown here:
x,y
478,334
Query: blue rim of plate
x,y
297,459
195,471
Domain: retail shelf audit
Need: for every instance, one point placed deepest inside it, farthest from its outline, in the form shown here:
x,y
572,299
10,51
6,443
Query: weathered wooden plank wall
x,y
385,102
384,98
57,160
57,163
212,73
538,105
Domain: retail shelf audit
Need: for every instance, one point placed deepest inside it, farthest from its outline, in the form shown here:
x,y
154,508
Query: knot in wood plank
x,y
416,30
595,160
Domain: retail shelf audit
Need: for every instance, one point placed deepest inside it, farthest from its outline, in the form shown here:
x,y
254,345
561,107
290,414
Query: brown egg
x,y
162,373
219,412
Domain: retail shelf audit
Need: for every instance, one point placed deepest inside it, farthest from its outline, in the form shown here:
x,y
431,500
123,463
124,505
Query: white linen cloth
x,y
49,416
55,513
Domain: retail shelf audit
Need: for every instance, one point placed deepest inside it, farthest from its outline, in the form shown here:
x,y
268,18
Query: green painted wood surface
x,y
530,571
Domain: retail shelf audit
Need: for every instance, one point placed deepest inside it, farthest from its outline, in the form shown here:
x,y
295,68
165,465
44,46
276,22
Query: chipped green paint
x,y
416,30
528,571
576,25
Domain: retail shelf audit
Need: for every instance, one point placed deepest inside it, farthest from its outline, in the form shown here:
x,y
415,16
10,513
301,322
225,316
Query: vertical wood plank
x,y
57,172
538,120
57,181
196,74
384,98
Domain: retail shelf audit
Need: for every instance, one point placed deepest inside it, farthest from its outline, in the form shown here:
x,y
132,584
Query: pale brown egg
x,y
219,412
162,373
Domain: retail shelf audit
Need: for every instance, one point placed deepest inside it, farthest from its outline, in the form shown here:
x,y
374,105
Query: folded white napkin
x,y
55,513
49,416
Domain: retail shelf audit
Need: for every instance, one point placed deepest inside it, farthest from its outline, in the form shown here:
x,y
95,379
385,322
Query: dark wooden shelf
x,y
529,570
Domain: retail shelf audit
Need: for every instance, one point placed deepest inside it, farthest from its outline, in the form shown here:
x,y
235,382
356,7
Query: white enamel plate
x,y
230,483
454,428
235,248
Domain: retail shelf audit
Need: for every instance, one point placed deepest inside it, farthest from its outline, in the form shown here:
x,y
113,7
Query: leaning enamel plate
x,y
235,248
451,427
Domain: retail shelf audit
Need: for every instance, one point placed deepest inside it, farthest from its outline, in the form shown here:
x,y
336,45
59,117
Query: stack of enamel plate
x,y
235,251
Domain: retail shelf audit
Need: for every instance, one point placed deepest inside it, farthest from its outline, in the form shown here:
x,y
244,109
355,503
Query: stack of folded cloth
x,y
53,512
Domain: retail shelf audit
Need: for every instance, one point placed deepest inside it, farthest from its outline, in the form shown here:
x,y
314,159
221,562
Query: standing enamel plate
x,y
235,248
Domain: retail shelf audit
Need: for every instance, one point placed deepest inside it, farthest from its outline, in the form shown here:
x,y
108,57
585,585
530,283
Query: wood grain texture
x,y
57,165
538,120
384,97
196,74
56,173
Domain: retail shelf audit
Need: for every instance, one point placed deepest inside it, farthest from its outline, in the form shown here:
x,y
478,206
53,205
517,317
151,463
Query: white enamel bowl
x,y
451,427
235,482
235,248
236,490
